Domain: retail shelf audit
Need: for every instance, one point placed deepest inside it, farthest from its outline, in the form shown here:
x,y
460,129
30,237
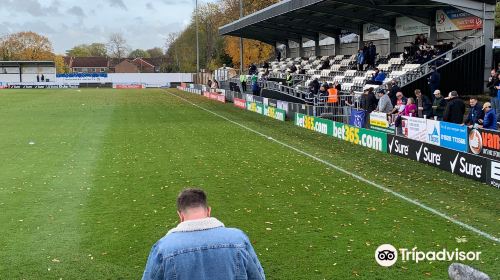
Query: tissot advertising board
x,y
459,163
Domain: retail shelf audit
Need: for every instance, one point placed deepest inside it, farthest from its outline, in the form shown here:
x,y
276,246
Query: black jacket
x,y
454,112
314,87
368,102
392,94
427,105
491,85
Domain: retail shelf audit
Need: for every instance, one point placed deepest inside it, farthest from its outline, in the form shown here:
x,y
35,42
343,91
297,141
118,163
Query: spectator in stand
x,y
243,80
401,101
492,82
214,86
200,247
438,106
313,89
424,105
293,68
337,86
490,117
495,101
361,60
380,78
410,108
302,71
394,90
43,78
278,55
252,70
420,40
325,65
434,79
384,103
372,55
255,85
289,79
455,109
323,92
368,101
37,78
476,113
498,68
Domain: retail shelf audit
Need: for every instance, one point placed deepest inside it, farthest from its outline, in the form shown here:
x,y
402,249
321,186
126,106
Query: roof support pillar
x,y
336,49
288,54
361,39
317,47
301,47
488,36
393,40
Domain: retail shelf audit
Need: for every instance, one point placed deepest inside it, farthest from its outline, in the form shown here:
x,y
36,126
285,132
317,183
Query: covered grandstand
x,y
313,31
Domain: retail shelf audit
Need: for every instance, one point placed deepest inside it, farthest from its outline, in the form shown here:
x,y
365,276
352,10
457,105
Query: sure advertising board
x,y
456,162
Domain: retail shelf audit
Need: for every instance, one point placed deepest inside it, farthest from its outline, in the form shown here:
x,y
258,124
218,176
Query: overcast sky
x,y
144,23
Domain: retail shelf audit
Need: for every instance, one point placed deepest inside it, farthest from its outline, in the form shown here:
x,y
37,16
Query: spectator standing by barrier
x,y
255,85
434,79
495,101
200,247
401,101
410,108
438,106
455,109
476,113
361,60
289,79
490,117
384,103
368,101
424,105
209,84
492,83
243,80
394,90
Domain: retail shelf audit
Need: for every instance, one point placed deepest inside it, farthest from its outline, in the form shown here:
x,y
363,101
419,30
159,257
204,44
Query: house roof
x,y
82,62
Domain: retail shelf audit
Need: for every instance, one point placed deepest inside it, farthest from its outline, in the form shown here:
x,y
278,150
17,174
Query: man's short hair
x,y
454,93
473,97
191,198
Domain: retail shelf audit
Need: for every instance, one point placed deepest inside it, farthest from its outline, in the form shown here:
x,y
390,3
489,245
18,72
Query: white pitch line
x,y
362,179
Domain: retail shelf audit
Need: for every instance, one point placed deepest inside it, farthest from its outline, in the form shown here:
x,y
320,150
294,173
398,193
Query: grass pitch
x,y
88,181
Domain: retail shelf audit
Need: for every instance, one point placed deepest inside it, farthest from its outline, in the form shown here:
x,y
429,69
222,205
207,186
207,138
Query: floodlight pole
x,y
197,41
241,40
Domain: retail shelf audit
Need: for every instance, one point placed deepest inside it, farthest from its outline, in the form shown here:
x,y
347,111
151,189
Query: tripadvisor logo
x,y
387,255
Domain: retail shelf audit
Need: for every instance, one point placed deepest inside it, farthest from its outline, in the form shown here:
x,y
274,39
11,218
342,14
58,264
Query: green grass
x,y
98,188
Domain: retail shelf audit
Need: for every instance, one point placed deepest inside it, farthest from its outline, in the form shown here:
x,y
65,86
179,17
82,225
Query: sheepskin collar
x,y
197,225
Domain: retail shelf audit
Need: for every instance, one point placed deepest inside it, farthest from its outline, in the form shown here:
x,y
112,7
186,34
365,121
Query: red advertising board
x,y
240,103
218,97
206,94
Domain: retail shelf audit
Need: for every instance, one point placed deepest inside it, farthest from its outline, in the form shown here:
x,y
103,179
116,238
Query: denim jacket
x,y
202,250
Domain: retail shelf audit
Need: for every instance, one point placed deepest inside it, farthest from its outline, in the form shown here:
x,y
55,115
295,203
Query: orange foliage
x,y
253,51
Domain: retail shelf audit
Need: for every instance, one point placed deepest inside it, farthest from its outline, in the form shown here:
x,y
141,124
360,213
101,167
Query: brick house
x,y
87,64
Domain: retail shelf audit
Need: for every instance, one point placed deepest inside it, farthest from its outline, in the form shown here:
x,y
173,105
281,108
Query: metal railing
x,y
339,111
286,90
441,60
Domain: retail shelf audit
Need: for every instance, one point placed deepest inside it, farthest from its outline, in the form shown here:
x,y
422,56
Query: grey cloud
x,y
77,11
150,6
32,7
117,3
177,2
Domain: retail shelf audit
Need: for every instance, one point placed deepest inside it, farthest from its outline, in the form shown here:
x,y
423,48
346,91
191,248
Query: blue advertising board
x,y
453,136
358,118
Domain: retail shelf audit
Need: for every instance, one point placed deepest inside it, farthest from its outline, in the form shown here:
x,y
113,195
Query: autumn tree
x,y
117,46
28,46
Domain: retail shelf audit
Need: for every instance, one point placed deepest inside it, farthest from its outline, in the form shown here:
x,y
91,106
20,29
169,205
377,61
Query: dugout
x,y
27,71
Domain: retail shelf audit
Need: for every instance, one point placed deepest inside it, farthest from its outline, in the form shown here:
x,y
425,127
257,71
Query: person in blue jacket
x,y
490,117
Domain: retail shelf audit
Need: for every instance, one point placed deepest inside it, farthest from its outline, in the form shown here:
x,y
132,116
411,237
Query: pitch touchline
x,y
362,179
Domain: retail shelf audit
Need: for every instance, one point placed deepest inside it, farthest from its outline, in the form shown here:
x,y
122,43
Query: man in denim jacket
x,y
201,248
